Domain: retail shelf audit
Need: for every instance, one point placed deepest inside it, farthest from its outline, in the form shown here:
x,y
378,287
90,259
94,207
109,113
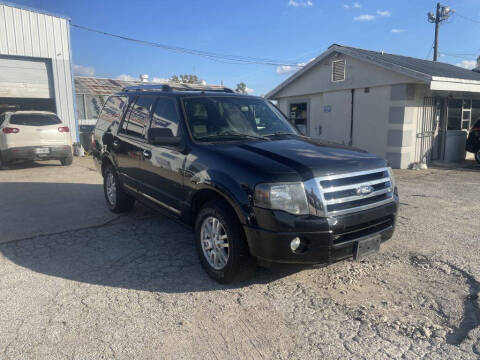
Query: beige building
x,y
35,63
405,109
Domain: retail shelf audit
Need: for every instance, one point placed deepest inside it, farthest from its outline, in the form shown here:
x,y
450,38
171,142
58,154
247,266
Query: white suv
x,y
34,135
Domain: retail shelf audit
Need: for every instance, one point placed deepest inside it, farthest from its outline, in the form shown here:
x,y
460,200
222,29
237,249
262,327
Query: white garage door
x,y
25,78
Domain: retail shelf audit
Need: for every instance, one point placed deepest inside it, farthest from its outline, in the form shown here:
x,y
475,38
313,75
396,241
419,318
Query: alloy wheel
x,y
111,188
215,244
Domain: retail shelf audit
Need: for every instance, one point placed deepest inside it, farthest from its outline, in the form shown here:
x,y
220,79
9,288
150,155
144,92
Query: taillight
x,y
9,130
475,129
63,129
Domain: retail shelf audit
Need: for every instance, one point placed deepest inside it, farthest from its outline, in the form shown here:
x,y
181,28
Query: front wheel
x,y
67,161
117,200
221,243
477,156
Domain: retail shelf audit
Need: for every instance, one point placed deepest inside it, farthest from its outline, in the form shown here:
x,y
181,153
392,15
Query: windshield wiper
x,y
283,133
228,134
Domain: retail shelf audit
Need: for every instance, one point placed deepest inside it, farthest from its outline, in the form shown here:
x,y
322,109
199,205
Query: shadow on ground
x,y
141,250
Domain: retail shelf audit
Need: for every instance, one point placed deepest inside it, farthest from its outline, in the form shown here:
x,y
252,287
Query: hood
x,y
311,158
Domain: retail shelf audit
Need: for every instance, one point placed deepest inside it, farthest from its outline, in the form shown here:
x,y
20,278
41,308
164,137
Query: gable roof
x,y
418,69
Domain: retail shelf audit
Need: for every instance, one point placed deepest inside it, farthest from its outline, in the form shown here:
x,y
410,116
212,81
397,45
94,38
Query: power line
x,y
467,18
225,58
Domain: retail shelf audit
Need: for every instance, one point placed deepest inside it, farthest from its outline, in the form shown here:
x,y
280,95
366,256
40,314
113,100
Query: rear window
x,y
34,119
111,112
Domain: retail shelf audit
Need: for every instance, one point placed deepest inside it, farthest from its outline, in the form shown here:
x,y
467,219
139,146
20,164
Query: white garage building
x,y
404,109
35,63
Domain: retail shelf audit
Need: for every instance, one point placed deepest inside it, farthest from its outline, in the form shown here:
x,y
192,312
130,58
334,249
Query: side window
x,y
137,118
112,111
2,119
165,115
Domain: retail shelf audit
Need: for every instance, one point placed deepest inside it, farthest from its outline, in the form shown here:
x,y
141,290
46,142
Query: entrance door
x,y
426,129
299,116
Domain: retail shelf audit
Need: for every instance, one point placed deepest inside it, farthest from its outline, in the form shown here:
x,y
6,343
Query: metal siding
x,y
33,34
10,29
3,32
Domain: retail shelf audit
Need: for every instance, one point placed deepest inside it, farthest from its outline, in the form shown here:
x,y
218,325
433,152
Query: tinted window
x,y
34,119
137,118
112,111
165,115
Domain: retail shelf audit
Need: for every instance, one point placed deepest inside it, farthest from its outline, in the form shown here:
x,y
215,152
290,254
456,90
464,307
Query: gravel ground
x,y
131,287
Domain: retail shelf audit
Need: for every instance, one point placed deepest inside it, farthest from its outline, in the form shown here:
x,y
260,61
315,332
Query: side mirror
x,y
107,139
163,136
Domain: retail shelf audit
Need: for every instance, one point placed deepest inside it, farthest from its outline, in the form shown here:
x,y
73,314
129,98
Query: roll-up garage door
x,y
25,78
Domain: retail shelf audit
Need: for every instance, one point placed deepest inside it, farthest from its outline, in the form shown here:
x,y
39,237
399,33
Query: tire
x,y
477,155
231,262
117,200
67,161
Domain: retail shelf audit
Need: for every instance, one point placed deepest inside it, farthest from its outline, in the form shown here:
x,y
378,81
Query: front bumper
x,y
327,239
55,152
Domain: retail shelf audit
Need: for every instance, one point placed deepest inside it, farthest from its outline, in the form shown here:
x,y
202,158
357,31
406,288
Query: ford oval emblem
x,y
364,190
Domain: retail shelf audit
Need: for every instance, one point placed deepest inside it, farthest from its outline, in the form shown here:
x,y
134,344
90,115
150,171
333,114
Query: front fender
x,y
235,193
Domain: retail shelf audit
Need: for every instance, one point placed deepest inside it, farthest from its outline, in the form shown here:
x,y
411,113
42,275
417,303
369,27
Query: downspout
x,y
351,117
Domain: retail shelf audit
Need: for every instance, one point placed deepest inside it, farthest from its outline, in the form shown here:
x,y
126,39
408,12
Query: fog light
x,y
295,244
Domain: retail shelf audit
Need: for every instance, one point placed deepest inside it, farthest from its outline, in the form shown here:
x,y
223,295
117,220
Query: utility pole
x,y
442,14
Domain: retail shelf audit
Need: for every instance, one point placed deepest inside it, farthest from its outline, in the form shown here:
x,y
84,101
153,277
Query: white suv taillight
x,y
63,129
9,130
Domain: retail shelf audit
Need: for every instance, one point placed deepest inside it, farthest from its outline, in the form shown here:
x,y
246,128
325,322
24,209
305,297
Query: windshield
x,y
34,119
222,118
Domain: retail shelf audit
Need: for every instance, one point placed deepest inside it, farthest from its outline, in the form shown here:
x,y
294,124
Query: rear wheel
x,y
221,244
477,155
67,161
117,200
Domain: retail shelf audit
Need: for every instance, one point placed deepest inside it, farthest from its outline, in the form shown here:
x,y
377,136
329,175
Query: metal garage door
x,y
25,78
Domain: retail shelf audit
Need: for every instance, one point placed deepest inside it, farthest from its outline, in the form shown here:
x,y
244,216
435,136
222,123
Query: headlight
x,y
289,197
392,178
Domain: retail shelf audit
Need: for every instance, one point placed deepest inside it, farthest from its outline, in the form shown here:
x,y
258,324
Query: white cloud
x,y
127,77
355,5
159,80
467,64
284,69
364,17
298,3
384,13
398,30
81,70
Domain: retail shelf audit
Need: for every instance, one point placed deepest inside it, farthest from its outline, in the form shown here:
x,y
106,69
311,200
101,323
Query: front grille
x,y
348,193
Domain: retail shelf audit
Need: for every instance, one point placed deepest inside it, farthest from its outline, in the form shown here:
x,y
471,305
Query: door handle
x,y
116,144
147,154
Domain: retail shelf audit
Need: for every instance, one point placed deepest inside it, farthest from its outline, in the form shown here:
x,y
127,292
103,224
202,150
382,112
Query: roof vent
x,y
338,70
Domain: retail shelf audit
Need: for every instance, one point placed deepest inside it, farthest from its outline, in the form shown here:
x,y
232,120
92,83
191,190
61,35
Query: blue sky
x,y
291,31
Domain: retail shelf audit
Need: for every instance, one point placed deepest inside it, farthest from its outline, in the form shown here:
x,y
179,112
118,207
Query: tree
x,y
241,88
185,79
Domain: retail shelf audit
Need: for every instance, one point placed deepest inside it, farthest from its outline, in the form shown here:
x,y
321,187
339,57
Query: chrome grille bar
x,y
368,194
358,197
347,187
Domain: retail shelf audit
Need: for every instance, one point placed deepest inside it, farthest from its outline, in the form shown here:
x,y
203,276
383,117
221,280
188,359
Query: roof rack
x,y
177,87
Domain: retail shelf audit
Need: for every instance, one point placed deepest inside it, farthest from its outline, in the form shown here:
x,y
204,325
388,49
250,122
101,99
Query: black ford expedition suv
x,y
233,168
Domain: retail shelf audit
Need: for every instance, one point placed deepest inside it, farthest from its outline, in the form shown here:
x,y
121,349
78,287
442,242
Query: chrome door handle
x,y
115,144
147,154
